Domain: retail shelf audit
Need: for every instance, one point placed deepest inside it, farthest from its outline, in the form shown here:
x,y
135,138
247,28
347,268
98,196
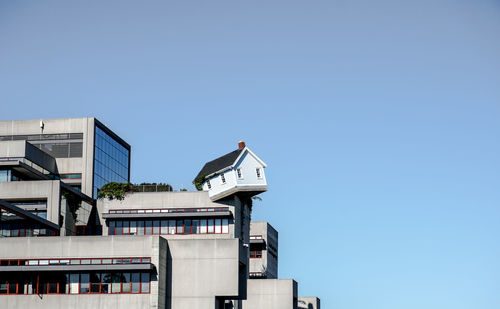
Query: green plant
x,y
74,202
152,187
198,182
114,190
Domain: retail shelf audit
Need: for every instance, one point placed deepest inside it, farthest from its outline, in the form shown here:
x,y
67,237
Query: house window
x,y
256,254
222,178
257,170
209,185
238,172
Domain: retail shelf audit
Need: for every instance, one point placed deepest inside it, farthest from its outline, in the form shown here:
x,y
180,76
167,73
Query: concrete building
x,y
309,303
87,154
263,251
265,290
147,250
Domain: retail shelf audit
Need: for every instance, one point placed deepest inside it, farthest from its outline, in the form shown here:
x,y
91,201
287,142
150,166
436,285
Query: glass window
x,y
133,227
3,286
164,227
106,283
171,227
210,229
140,227
225,226
203,226
196,227
115,283
118,228
218,226
144,282
136,285
84,283
95,282
156,227
180,227
126,228
13,287
126,283
4,176
187,226
149,227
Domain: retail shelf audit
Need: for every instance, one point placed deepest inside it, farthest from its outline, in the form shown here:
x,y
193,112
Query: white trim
x,y
219,171
253,155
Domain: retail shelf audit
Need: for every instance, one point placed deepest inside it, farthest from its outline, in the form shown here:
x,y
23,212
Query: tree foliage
x,y
115,190
198,182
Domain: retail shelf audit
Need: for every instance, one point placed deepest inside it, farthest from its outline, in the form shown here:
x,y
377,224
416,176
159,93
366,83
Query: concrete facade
x,y
309,303
264,239
271,294
48,131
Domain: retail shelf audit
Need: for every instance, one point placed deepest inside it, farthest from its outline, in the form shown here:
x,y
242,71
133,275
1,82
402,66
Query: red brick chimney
x,y
241,145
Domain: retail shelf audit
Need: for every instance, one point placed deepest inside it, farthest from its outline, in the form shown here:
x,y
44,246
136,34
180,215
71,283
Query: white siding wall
x,y
216,182
248,164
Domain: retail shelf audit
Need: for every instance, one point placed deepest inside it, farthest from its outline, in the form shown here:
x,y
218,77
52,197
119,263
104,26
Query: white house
x,y
238,172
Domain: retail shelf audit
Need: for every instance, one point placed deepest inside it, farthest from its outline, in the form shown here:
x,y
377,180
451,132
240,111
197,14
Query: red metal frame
x,y
256,254
176,226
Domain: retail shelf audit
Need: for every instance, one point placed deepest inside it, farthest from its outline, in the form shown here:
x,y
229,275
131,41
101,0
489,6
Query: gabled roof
x,y
220,163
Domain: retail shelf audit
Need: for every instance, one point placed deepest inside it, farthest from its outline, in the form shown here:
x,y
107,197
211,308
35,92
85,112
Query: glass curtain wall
x,y
111,161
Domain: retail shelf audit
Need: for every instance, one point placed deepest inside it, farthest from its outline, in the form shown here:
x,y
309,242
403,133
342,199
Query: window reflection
x,y
111,160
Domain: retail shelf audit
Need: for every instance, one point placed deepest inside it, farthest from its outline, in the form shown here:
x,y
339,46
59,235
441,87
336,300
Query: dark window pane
x,y
144,282
95,281
136,285
187,226
156,227
149,227
84,283
180,227
125,283
106,283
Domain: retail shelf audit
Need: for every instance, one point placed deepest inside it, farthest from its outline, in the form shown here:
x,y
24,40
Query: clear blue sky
x,y
379,122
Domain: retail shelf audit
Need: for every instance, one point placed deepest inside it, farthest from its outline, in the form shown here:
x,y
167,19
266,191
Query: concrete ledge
x,y
168,215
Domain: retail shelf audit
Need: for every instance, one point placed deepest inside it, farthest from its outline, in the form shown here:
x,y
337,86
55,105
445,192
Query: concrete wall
x,y
88,247
268,263
190,274
166,200
57,207
35,190
23,149
86,126
202,270
309,303
271,294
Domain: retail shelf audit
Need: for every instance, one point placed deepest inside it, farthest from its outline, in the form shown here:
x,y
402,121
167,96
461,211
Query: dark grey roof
x,y
219,163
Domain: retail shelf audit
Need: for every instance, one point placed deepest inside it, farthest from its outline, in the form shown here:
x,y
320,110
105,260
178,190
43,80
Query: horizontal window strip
x,y
168,227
